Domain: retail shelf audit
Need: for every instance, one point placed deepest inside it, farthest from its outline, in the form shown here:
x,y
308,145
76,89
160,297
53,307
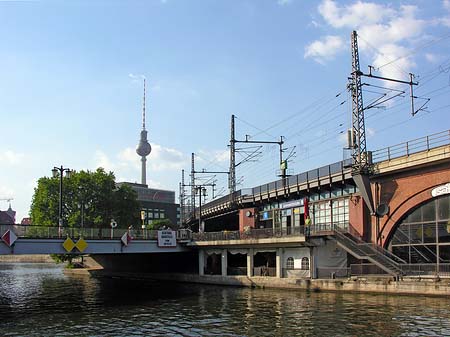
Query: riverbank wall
x,y
385,285
37,258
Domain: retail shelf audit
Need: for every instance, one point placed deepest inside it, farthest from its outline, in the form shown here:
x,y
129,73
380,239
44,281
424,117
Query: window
x,y
290,263
423,235
305,263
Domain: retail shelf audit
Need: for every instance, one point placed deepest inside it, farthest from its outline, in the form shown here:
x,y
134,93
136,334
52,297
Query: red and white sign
x,y
9,237
167,238
126,239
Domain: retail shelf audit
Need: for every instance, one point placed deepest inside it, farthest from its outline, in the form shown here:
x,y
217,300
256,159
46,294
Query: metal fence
x,y
264,271
249,234
361,269
332,272
53,232
413,146
429,269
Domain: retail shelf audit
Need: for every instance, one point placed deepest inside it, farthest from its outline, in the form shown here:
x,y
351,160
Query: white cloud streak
x,y
11,158
284,2
324,49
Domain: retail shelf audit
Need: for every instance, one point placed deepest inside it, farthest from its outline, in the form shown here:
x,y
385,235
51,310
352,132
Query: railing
x,y
332,272
367,251
422,269
237,271
264,271
249,234
53,232
413,146
366,269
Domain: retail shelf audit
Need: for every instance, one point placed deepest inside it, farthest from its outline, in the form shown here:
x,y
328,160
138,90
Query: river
x,y
39,300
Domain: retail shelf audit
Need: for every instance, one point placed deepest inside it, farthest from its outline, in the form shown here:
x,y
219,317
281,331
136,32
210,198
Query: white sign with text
x,y
167,238
440,190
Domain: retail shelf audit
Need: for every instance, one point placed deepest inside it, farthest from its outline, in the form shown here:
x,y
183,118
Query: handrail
x,y
55,232
412,146
249,234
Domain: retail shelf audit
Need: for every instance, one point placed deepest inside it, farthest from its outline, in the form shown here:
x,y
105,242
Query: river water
x,y
39,300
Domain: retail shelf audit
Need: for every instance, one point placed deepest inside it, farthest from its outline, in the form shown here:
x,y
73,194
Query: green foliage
x,y
159,224
93,194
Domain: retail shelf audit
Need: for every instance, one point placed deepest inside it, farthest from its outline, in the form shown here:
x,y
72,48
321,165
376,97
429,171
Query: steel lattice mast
x,y
359,155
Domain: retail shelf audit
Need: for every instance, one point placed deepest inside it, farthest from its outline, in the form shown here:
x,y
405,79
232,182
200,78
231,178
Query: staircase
x,y
379,256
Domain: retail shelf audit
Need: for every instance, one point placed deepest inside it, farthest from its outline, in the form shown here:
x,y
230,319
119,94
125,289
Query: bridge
x,y
19,239
266,228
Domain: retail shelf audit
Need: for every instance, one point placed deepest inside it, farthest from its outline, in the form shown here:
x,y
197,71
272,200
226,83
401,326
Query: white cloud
x,y
11,157
446,4
398,69
324,49
164,158
432,58
353,15
6,192
101,160
160,159
385,33
284,2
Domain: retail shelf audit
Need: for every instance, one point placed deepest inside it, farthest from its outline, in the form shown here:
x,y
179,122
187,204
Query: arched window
x,y
290,263
305,263
423,235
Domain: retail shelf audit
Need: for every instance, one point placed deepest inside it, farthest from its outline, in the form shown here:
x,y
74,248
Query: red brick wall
x,y
404,191
356,215
244,220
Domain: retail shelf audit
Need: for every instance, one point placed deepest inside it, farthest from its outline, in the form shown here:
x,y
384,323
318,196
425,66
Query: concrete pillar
x,y
201,262
279,262
250,257
224,262
312,263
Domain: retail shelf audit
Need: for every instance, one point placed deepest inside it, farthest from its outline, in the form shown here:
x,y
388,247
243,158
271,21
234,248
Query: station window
x,y
290,263
305,263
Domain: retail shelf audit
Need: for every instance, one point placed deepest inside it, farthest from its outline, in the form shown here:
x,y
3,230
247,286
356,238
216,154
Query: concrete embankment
x,y
386,285
37,258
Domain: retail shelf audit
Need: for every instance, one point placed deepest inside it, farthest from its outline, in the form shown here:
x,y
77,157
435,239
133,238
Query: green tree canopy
x,y
91,194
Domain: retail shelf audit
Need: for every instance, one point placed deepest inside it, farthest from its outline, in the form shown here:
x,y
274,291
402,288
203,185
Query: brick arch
x,y
403,193
388,229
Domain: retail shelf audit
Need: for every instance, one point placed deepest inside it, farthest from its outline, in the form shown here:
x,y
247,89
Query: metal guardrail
x,y
413,146
366,269
332,272
264,271
53,232
422,269
250,234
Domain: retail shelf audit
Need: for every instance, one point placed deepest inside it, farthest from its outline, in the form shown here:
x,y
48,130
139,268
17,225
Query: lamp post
x,y
59,171
201,191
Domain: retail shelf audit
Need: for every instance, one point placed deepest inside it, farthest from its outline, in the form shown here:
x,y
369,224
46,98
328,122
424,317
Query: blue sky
x,y
71,93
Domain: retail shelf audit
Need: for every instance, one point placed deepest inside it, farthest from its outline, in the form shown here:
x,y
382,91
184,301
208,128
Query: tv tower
x,y
143,149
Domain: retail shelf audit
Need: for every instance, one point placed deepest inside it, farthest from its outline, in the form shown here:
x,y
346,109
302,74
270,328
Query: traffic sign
x,y
126,239
9,237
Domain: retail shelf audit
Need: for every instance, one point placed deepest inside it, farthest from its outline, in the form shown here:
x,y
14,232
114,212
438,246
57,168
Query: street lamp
x,y
201,191
59,171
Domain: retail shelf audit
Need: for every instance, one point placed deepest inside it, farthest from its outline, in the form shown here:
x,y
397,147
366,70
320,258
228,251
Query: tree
x,y
161,224
89,196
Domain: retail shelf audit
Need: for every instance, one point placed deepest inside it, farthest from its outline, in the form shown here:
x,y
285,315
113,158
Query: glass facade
x,y
325,213
325,208
423,236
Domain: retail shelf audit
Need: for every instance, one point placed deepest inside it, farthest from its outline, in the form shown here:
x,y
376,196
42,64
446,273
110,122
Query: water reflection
x,y
39,300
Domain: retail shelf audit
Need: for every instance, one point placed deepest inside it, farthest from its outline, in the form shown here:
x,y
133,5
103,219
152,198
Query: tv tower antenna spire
x,y
143,149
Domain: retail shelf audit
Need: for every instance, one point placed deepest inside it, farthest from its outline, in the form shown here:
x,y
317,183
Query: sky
x,y
71,84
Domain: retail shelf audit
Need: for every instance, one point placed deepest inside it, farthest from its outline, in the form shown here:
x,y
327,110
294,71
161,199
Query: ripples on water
x,y
39,300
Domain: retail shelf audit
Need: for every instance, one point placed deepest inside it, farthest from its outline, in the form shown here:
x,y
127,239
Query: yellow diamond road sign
x,y
81,245
68,245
